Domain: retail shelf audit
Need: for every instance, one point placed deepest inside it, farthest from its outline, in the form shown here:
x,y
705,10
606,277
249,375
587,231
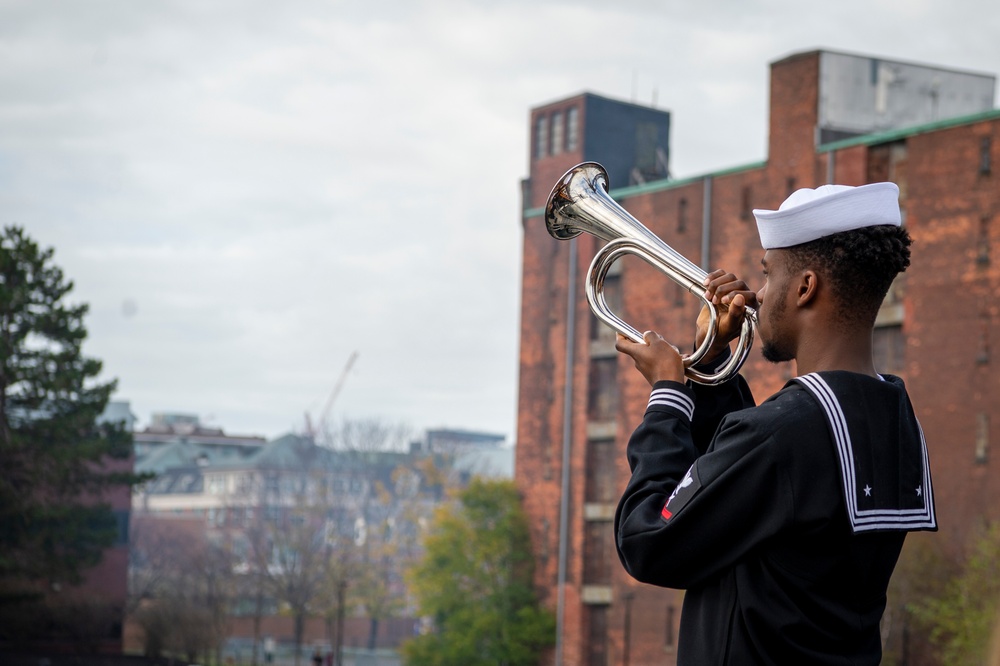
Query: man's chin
x,y
774,355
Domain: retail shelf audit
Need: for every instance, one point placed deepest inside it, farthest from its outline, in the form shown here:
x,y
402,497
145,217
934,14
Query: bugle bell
x,y
579,203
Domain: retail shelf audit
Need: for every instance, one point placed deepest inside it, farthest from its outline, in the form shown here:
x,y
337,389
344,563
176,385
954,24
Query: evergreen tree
x,y
475,583
53,523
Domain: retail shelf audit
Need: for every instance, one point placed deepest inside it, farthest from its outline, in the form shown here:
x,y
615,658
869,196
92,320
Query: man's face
x,y
772,315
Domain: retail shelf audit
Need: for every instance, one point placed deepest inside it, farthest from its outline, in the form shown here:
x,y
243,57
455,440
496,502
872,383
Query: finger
x,y
730,286
737,306
722,284
712,276
748,296
734,289
627,346
649,337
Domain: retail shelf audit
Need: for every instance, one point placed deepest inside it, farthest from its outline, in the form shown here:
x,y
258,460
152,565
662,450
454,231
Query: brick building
x,y
833,118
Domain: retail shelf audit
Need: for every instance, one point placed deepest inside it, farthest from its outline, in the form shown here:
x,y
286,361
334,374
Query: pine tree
x,y
53,522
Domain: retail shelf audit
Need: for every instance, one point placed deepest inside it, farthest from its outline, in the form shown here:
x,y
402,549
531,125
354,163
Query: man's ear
x,y
807,288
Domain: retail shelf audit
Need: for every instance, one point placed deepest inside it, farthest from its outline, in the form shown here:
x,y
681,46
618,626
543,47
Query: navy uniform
x,y
783,522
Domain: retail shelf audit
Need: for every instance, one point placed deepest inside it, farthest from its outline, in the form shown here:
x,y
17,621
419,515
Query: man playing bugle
x,y
784,521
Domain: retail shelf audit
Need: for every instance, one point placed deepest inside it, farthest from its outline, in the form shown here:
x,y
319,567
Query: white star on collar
x,y
920,491
868,490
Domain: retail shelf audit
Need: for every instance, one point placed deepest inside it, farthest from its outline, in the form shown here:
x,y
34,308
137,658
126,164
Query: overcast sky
x,y
247,192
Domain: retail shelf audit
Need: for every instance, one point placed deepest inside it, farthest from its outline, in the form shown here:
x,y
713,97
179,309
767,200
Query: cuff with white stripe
x,y
672,395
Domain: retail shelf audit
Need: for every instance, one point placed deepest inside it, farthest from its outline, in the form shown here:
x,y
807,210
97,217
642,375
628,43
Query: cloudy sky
x,y
248,192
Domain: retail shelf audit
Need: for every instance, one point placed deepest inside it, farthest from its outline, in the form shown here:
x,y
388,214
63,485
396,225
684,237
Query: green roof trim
x,y
661,185
897,134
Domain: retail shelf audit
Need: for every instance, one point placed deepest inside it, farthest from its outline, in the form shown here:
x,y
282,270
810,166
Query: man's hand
x,y
655,358
731,297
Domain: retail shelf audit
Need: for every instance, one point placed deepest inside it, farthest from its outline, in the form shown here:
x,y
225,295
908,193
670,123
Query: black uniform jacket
x,y
744,507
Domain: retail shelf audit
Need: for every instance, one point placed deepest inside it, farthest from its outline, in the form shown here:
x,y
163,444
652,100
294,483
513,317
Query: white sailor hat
x,y
809,214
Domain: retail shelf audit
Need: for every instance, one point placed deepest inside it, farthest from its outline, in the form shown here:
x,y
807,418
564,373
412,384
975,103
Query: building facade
x,y
834,117
320,524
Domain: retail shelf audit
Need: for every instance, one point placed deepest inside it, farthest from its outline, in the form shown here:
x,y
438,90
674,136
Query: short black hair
x,y
860,265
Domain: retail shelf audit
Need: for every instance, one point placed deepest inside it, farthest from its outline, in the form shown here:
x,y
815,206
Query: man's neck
x,y
851,352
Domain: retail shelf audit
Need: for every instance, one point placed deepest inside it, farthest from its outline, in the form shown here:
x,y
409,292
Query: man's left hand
x,y
655,358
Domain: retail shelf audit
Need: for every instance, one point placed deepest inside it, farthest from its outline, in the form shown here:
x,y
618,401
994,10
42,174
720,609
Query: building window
x,y
597,641
216,484
238,516
983,357
790,185
612,290
602,393
682,215
542,136
983,242
598,546
646,142
122,520
889,348
985,145
982,437
244,484
746,196
600,483
544,552
572,129
668,629
557,132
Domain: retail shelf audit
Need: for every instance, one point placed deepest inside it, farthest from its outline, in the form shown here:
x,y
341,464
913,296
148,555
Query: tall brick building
x,y
833,118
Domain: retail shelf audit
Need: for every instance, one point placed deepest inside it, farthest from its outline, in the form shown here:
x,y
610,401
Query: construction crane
x,y
320,427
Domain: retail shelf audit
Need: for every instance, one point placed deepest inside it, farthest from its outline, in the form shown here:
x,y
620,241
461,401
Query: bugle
x,y
580,202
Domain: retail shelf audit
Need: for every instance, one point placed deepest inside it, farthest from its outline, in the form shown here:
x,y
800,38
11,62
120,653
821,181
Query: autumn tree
x,y
289,552
384,493
54,524
475,584
181,587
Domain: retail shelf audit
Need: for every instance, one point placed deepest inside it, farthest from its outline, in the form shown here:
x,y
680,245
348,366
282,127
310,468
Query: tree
x,y
53,522
962,618
475,583
386,491
922,573
290,553
181,585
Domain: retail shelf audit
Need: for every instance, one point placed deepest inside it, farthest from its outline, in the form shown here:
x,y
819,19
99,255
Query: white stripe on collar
x,y
872,519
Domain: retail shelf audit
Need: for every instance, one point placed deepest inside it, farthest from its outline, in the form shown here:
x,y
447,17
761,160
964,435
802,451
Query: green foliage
x,y
923,570
52,450
961,619
475,583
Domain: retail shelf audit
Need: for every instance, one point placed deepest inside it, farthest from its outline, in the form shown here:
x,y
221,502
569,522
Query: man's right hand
x,y
731,296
